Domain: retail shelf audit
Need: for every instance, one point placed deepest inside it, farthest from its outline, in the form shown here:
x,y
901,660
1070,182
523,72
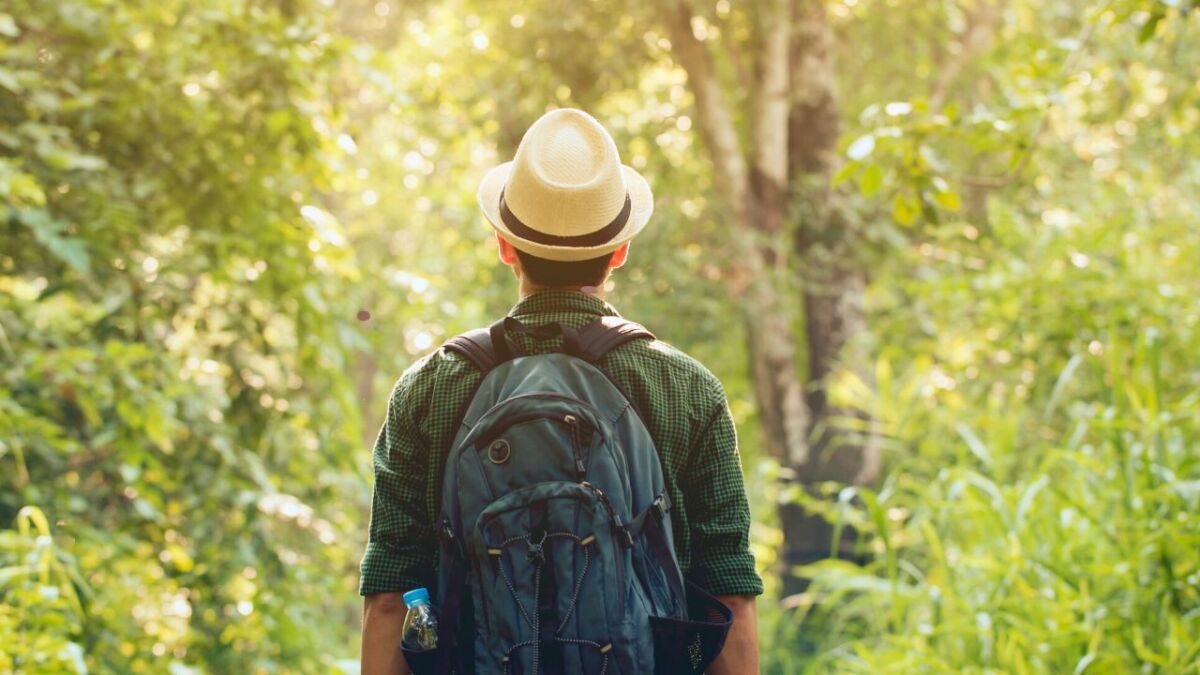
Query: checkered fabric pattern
x,y
684,408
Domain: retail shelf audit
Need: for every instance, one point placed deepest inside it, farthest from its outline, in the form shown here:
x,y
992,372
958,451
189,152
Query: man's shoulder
x,y
422,376
664,359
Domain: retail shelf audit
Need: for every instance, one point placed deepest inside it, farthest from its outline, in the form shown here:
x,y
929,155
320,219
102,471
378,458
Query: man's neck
x,y
528,288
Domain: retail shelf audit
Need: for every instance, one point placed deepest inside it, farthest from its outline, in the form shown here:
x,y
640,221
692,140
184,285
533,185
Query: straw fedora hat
x,y
565,195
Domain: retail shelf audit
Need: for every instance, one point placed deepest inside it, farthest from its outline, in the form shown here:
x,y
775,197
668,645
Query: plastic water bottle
x,y
420,623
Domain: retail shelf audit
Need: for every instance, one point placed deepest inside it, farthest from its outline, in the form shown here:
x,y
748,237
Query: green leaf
x,y
1027,497
948,200
1151,26
8,80
974,444
145,509
904,209
66,160
872,179
845,173
7,574
1064,377
47,231
156,429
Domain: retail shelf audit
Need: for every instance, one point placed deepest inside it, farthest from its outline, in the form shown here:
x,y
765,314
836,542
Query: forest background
x,y
942,254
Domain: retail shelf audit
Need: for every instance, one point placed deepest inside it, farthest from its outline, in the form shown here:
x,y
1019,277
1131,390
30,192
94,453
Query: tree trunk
x,y
755,201
833,281
778,391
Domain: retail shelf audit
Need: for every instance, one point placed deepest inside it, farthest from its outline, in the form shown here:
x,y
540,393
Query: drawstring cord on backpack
x,y
536,554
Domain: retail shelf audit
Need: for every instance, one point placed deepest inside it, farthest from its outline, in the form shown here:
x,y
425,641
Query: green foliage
x,y
40,595
170,395
1076,554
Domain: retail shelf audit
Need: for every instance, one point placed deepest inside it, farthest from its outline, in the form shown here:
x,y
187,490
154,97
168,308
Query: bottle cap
x,y
416,596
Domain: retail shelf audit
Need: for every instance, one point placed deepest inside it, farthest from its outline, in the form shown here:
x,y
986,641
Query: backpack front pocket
x,y
556,580
534,447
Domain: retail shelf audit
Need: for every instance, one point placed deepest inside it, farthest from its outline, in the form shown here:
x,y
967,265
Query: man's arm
x,y
400,552
383,617
740,654
718,515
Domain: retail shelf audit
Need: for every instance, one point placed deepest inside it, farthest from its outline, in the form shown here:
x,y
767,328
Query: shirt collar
x,y
561,300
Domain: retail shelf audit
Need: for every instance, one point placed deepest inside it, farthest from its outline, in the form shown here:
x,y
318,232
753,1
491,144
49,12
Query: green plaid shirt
x,y
683,406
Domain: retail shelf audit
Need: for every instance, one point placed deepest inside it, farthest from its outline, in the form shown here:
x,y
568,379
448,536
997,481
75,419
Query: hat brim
x,y
641,206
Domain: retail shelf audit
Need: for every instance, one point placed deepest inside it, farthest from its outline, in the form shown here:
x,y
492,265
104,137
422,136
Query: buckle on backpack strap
x,y
623,535
661,506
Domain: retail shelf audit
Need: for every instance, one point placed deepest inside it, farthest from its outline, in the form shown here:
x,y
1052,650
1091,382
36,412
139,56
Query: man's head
x,y
535,272
565,208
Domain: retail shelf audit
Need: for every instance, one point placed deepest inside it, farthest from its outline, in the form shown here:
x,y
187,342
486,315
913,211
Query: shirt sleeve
x,y
718,511
401,546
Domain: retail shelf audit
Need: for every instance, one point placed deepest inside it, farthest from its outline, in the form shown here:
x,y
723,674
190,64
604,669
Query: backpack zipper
x,y
618,548
555,396
457,547
494,431
576,443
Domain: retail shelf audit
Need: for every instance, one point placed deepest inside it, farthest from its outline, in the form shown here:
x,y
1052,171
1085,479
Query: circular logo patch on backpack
x,y
499,451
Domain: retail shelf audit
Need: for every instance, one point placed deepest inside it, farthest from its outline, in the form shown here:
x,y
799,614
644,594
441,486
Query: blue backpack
x,y
556,554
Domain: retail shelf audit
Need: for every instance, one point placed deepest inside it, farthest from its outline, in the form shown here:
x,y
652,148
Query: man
x,y
564,211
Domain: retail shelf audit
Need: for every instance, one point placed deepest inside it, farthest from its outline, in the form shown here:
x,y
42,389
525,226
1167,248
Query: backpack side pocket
x,y
691,645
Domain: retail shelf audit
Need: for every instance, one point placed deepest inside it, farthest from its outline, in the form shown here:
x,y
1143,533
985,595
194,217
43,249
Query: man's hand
x,y
740,655
383,623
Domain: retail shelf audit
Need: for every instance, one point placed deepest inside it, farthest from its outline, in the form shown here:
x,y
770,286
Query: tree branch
x,y
712,112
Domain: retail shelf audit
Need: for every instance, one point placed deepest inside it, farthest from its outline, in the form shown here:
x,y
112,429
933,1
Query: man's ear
x,y
619,256
508,254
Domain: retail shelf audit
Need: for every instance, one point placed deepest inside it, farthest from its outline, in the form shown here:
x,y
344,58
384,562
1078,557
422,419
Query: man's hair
x,y
543,272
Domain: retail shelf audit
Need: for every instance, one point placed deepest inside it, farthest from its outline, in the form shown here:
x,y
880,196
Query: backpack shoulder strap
x,y
486,347
607,333
476,347
591,342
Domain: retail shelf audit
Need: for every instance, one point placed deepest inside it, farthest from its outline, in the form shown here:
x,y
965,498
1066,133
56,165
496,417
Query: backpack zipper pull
x,y
573,422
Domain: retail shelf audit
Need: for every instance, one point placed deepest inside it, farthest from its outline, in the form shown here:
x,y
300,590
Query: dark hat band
x,y
600,236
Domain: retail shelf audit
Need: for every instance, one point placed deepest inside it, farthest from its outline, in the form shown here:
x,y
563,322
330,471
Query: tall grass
x,y
1075,552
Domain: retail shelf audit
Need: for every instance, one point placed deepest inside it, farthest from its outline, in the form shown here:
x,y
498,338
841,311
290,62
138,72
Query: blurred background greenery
x,y
942,253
